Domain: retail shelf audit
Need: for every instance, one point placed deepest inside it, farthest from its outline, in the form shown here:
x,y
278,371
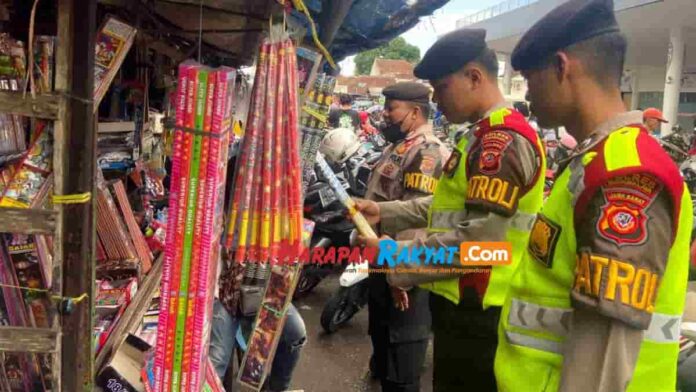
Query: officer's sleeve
x,y
511,171
624,234
623,241
396,216
422,171
501,171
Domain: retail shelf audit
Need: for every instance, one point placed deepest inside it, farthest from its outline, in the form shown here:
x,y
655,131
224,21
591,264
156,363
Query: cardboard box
x,y
122,372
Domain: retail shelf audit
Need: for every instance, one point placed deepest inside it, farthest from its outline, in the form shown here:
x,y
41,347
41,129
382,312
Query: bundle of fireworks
x,y
266,206
314,121
266,220
199,162
23,182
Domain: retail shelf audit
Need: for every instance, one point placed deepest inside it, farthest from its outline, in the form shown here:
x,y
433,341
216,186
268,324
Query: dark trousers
x,y
465,341
398,365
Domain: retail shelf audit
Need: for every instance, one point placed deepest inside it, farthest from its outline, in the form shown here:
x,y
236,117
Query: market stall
x,y
114,149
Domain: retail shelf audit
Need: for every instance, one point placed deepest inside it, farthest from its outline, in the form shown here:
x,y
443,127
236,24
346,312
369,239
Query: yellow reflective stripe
x,y
620,150
498,117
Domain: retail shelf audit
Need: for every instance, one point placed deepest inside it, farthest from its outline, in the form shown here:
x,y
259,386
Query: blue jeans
x,y
222,343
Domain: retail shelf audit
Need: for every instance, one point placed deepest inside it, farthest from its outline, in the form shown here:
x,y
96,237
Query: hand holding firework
x,y
360,222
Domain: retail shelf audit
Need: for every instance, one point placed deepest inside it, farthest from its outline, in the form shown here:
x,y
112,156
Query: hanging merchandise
x,y
199,163
313,122
112,44
265,228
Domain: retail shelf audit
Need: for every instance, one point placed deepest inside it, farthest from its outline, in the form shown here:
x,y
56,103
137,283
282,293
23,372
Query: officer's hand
x,y
400,298
370,242
369,209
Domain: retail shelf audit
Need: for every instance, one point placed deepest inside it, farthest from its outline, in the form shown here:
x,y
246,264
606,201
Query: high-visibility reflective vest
x,y
537,311
447,208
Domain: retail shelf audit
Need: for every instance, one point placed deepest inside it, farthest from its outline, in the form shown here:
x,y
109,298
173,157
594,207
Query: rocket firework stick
x,y
253,249
277,150
245,176
245,153
273,93
293,139
360,222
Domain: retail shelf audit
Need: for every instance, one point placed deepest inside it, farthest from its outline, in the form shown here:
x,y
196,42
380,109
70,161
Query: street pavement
x,y
338,362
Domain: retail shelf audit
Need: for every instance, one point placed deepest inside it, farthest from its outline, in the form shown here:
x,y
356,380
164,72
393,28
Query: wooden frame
x,y
69,340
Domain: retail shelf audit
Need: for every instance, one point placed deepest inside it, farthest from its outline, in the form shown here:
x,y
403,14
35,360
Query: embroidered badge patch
x,y
493,145
389,170
543,239
427,165
623,219
397,159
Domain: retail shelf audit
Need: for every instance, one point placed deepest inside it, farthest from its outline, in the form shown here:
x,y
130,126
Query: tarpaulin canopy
x,y
368,23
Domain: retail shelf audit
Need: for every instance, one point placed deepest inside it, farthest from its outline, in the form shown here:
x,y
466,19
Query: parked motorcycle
x,y
352,162
348,300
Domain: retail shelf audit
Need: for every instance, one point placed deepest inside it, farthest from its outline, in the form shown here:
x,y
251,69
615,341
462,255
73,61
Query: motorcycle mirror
x,y
353,237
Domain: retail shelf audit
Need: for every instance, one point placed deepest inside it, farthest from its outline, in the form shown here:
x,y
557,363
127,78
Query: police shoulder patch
x,y
452,163
427,165
389,170
542,240
493,145
626,198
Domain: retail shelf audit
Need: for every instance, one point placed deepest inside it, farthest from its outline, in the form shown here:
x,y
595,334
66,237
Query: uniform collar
x,y
604,129
422,130
496,107
475,127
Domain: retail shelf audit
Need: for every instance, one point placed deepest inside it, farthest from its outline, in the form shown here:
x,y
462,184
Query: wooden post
x,y
77,220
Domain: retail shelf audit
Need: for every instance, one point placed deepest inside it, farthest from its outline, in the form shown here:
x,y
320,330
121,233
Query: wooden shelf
x,y
27,221
44,106
133,315
34,340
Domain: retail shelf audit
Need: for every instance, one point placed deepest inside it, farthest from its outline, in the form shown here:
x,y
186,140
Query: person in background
x,y
399,321
344,116
653,119
597,302
366,127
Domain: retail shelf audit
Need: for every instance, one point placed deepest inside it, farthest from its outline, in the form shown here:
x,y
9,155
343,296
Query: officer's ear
x,y
476,75
561,66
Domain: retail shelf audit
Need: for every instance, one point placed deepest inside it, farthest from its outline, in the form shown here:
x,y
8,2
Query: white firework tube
x,y
360,222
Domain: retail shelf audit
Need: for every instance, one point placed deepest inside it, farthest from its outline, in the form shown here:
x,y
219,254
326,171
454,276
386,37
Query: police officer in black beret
x,y
399,321
500,150
580,314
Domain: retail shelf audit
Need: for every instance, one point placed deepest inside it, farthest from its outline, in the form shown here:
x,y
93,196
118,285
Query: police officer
x,y
411,165
399,322
597,300
490,190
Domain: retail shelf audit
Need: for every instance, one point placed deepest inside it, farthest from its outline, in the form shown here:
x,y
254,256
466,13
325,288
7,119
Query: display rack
x,y
71,225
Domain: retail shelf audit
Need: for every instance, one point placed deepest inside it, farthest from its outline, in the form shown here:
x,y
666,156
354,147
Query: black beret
x,y
408,91
567,24
450,53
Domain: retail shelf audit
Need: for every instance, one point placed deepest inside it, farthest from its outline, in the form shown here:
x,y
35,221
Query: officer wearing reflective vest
x,y
490,190
596,302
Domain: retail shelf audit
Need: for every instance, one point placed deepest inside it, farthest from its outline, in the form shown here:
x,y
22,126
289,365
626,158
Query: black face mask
x,y
392,131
